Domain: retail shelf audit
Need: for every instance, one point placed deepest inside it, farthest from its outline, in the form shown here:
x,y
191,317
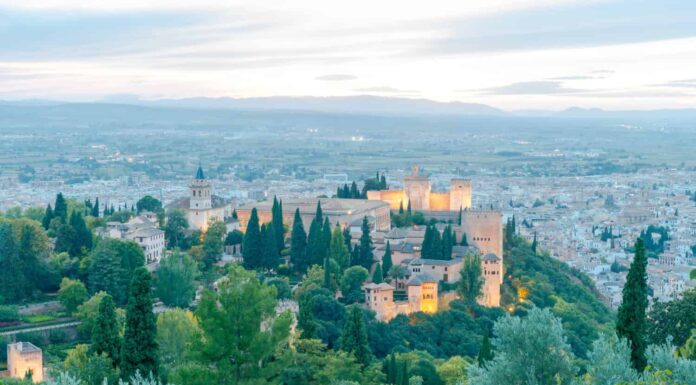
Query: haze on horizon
x,y
511,54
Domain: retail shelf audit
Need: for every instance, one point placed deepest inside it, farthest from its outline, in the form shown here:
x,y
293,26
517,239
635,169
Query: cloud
x,y
577,77
684,83
337,77
385,90
540,87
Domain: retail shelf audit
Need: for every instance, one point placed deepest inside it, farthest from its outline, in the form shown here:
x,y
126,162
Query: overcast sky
x,y
512,54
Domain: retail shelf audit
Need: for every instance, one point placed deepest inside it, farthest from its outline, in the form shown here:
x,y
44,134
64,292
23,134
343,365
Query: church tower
x,y
201,192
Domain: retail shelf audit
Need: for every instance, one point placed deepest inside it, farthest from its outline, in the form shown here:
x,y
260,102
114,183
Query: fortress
x,y
418,193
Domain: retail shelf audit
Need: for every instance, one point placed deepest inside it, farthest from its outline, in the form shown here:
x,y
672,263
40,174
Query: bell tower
x,y
201,192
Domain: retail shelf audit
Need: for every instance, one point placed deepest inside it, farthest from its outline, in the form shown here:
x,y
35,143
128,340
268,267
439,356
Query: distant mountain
x,y
577,112
363,104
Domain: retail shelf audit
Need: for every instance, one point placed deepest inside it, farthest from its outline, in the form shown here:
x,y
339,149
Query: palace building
x,y
419,193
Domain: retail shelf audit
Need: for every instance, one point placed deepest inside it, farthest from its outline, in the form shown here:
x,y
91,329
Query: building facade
x,y
25,359
419,194
142,230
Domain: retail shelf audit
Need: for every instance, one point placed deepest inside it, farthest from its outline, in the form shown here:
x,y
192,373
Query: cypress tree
x,y
298,244
387,259
354,336
83,237
459,219
105,334
447,244
465,242
305,318
95,208
347,237
13,287
377,276
338,250
60,208
252,249
631,321
270,254
534,243
401,207
354,192
316,250
27,255
408,209
485,352
382,182
139,350
48,215
366,258
391,369
234,214
277,223
326,236
427,245
327,274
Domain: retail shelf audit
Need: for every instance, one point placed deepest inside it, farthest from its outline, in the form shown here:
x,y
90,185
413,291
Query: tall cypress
x,y
277,223
631,321
270,255
465,242
105,334
326,236
387,259
48,215
251,251
354,336
139,350
315,242
95,208
60,208
534,243
366,258
298,244
447,243
485,352
327,274
13,285
28,258
427,245
377,276
401,207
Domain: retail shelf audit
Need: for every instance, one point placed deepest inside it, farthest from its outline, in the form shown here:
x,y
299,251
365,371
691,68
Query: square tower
x,y
417,190
24,358
460,194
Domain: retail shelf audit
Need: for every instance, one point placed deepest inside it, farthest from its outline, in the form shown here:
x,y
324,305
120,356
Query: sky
x,y
511,54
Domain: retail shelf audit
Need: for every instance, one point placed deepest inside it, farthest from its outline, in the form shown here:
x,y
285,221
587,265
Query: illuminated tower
x,y
201,192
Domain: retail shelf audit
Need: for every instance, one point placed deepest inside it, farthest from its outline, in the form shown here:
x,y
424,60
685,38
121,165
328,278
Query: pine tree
x,y
354,336
48,215
252,249
105,333
13,287
485,352
631,321
95,208
139,349
60,208
387,259
366,258
377,276
298,244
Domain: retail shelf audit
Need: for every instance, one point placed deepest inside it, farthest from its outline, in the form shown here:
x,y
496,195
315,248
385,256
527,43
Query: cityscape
x,y
334,193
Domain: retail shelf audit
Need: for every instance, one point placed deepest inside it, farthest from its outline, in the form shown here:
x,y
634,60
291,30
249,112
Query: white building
x,y
142,230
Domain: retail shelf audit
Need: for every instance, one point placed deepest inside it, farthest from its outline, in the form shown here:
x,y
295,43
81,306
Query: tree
x,y
82,243
338,250
87,315
485,352
148,203
252,249
471,282
453,371
674,319
316,251
387,259
270,255
235,347
176,280
60,209
14,283
534,243
48,216
139,350
95,208
519,343
366,258
105,332
72,294
298,244
464,242
90,368
609,362
177,330
277,223
174,227
354,336
112,264
66,239
351,283
213,244
631,321
377,276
